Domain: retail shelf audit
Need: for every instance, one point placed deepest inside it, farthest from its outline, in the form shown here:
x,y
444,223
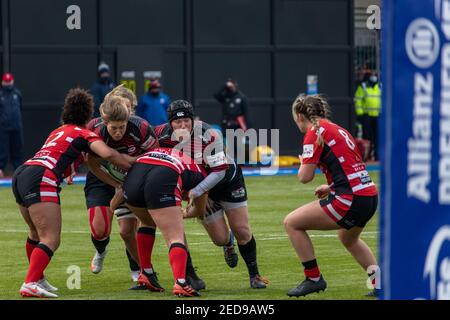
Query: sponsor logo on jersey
x,y
239,193
166,198
216,160
308,150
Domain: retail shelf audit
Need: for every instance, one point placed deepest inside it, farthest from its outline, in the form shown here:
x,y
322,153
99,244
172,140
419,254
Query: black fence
x,y
269,46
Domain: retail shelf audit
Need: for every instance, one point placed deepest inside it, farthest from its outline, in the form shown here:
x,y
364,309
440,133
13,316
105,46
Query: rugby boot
x,y
184,290
308,286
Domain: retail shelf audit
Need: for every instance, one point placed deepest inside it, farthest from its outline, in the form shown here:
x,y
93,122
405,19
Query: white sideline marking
x,y
367,234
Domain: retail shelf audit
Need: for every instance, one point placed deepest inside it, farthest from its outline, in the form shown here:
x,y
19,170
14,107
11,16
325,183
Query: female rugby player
x,y
36,185
127,134
346,203
153,190
224,183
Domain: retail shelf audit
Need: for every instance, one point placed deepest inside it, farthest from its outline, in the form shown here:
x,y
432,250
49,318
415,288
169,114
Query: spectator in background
x,y
368,108
11,137
101,87
153,105
234,107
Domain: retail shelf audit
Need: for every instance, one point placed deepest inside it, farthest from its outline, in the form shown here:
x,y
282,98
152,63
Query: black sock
x,y
310,264
134,266
248,252
189,266
100,245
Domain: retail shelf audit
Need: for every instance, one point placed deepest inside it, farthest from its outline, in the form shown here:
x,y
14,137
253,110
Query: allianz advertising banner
x,y
415,200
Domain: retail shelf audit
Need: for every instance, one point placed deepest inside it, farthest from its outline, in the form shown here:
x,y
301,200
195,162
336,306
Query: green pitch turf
x,y
270,200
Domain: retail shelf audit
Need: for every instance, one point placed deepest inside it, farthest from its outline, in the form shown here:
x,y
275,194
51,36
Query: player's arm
x,y
117,200
306,172
96,169
309,158
102,150
217,162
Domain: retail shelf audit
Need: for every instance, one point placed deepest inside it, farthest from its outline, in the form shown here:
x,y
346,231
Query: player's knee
x,y
99,231
347,241
288,225
243,234
127,232
220,241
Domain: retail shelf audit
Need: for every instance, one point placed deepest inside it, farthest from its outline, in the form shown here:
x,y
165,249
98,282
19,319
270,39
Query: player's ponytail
x,y
124,92
114,109
314,108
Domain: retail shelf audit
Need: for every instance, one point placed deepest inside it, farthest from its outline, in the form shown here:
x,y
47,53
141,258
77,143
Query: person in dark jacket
x,y
153,105
234,107
101,87
11,136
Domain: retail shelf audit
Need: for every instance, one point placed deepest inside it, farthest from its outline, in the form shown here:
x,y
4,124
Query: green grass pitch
x,y
270,200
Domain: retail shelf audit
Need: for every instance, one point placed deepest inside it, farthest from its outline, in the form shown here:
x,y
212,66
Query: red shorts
x,y
33,184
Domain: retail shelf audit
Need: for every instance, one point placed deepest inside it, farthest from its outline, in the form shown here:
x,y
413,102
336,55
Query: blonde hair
x,y
114,109
124,92
314,108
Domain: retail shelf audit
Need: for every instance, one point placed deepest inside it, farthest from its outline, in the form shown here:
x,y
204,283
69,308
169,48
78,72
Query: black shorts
x,y
97,193
35,184
350,211
152,187
231,190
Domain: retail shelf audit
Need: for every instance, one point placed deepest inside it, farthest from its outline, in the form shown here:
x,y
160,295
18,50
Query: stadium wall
x,y
269,46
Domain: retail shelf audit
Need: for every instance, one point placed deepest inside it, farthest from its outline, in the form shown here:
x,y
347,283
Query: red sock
x,y
311,269
145,239
312,273
29,247
39,260
178,259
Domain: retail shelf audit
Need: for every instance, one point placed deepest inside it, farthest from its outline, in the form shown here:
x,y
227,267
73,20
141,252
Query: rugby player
x,y
153,189
224,183
127,134
36,185
347,202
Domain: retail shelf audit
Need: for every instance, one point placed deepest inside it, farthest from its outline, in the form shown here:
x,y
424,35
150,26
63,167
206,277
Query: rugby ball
x,y
117,173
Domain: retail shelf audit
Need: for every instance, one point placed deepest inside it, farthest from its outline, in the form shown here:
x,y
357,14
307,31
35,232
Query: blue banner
x,y
415,150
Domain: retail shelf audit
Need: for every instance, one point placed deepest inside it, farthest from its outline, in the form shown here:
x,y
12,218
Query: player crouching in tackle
x,y
128,134
153,190
36,185
347,202
224,183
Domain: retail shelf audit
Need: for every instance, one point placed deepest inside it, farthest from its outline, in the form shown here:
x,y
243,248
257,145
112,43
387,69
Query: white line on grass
x,y
367,234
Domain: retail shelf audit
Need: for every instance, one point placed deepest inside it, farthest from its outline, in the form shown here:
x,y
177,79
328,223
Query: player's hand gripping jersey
x,y
339,159
62,151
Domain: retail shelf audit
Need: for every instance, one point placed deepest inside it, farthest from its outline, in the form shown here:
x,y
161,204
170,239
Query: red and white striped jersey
x,y
190,172
339,159
62,150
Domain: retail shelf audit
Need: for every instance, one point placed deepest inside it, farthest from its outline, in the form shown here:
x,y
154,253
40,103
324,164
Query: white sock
x,y
148,270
